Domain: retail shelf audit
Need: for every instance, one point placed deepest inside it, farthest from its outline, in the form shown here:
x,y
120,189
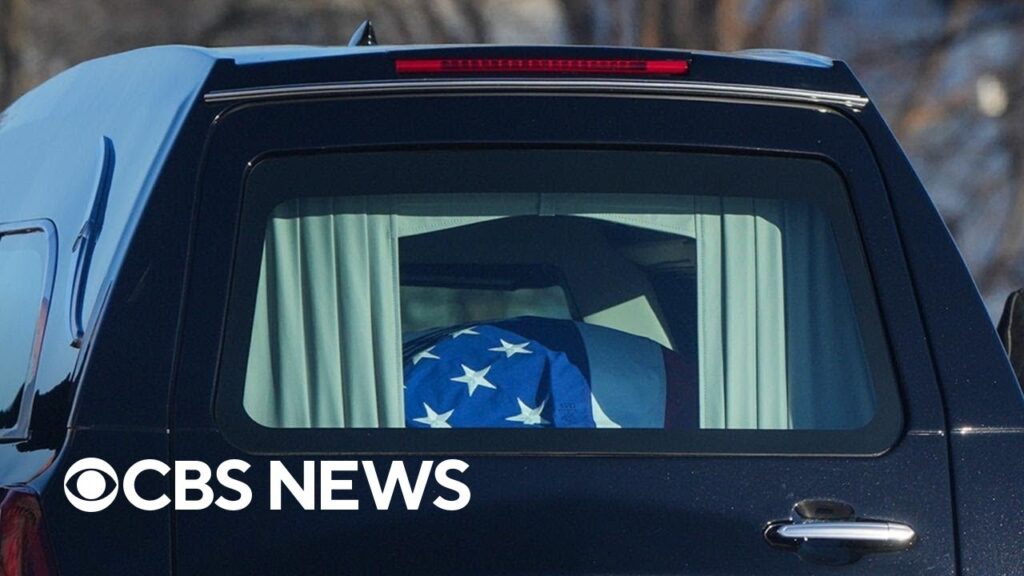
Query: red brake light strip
x,y
542,66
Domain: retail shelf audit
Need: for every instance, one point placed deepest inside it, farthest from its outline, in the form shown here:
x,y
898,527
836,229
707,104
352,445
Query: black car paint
x,y
144,379
703,487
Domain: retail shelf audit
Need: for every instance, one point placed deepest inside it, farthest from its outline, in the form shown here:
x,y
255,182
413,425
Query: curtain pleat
x,y
828,375
325,348
739,305
711,313
772,381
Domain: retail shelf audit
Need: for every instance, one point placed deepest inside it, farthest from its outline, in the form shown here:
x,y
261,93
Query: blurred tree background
x,y
945,73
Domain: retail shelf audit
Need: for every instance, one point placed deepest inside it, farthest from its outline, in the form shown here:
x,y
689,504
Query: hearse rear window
x,y
23,274
694,298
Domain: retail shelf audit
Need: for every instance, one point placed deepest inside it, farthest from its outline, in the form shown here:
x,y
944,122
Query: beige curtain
x,y
777,340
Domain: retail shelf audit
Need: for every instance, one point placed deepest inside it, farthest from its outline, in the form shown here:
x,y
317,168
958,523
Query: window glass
x,y
548,310
22,275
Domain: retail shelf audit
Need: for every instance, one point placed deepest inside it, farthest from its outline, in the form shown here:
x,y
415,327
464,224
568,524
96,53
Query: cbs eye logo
x,y
90,484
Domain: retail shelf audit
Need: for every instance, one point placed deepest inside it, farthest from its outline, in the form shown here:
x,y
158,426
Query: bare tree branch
x,y
730,25
580,21
814,15
9,56
477,24
759,30
931,69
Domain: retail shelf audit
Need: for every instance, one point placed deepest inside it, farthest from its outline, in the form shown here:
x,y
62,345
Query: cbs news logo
x,y
91,485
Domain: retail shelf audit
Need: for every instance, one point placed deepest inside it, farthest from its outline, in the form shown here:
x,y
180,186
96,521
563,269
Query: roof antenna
x,y
364,35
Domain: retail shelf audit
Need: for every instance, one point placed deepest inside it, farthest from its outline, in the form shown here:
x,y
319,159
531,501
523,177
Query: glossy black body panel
x,y
378,65
586,515
144,383
610,511
990,497
976,377
52,143
984,404
121,539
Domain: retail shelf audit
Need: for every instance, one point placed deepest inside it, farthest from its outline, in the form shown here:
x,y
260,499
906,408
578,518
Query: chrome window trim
x,y
49,230
573,85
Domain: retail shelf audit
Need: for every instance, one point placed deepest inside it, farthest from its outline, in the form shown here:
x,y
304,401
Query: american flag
x,y
533,372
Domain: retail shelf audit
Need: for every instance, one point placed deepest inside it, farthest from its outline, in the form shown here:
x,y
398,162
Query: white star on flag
x,y
424,354
527,415
475,378
435,420
465,332
511,350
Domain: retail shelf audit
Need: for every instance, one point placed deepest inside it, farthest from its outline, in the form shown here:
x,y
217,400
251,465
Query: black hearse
x,y
487,309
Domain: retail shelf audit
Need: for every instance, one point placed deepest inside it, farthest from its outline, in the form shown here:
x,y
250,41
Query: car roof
x,y
190,65
244,55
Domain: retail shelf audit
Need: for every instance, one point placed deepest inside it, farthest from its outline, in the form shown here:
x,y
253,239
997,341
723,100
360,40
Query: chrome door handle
x,y
892,535
828,532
